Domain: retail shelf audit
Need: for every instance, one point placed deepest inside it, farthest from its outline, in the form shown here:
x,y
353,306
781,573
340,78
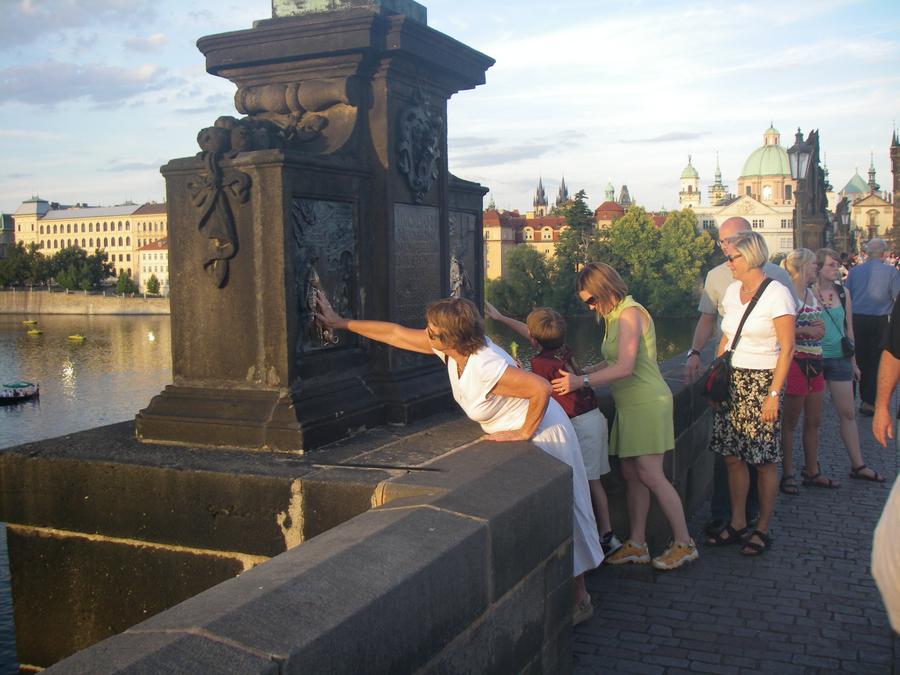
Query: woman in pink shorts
x,y
805,381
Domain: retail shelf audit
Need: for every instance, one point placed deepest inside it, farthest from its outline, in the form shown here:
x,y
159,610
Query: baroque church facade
x,y
765,194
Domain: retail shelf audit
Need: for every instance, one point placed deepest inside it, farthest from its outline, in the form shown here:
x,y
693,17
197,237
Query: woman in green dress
x,y
643,429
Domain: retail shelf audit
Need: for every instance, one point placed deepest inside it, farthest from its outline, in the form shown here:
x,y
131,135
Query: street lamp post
x,y
799,155
845,224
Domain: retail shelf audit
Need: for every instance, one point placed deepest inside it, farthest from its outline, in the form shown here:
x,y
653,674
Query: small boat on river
x,y
18,392
35,331
77,338
29,322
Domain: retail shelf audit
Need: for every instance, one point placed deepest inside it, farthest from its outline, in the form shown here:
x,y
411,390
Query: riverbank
x,y
44,302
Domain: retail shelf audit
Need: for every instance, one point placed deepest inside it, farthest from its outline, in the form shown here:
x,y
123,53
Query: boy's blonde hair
x,y
547,327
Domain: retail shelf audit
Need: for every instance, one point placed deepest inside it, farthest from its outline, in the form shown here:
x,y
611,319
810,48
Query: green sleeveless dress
x,y
643,424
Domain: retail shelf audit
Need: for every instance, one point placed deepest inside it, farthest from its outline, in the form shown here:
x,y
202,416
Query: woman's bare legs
x,y
738,487
580,589
812,419
651,474
842,396
637,496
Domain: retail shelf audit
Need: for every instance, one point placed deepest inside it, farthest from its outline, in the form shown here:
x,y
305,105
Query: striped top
x,y
808,312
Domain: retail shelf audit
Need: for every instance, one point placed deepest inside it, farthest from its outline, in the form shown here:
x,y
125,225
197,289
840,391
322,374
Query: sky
x,y
96,95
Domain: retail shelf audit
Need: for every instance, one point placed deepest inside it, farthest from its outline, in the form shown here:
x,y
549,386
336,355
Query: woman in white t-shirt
x,y
509,403
747,427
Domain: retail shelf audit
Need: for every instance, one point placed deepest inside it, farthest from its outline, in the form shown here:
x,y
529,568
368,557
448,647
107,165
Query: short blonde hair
x,y
798,259
604,284
459,323
547,327
752,246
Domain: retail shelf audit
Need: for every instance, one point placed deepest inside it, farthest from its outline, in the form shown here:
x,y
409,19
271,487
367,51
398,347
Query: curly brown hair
x,y
459,324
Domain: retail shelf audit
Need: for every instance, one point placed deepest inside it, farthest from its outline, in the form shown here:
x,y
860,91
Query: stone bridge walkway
x,y
808,606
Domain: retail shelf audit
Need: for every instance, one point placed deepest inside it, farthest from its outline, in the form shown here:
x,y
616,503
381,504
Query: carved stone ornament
x,y
418,147
213,192
316,116
324,259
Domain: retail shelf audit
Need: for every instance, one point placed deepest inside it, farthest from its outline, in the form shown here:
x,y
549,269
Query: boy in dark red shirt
x,y
546,329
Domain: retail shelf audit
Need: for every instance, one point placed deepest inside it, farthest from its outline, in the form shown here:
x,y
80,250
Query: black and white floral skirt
x,y
737,427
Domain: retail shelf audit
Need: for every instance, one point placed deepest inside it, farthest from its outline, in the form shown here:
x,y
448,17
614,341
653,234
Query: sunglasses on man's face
x,y
591,302
732,258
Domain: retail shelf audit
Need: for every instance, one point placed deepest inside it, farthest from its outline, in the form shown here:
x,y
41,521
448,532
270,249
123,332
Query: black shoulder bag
x,y
717,381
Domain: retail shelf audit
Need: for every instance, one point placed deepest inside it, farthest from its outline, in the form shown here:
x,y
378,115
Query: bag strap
x,y
842,296
750,306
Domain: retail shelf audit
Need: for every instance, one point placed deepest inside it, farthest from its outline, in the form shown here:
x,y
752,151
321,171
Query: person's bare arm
x,y
395,335
888,375
784,333
630,329
848,310
702,333
493,313
522,384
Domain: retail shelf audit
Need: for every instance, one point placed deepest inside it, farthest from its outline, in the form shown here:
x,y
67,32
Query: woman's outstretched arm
x,y
393,334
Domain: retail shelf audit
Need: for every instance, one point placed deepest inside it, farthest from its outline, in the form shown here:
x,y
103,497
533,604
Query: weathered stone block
x,y
80,590
177,654
423,568
503,640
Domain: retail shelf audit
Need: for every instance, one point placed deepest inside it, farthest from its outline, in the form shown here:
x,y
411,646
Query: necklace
x,y
749,292
461,366
826,297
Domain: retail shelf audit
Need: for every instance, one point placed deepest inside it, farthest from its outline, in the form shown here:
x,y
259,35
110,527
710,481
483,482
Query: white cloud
x,y
151,43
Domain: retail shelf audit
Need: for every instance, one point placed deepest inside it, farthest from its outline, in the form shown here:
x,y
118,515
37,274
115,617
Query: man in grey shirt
x,y
718,279
873,287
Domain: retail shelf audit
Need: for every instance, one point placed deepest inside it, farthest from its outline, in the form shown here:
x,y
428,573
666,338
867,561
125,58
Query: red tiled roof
x,y
609,207
158,245
150,208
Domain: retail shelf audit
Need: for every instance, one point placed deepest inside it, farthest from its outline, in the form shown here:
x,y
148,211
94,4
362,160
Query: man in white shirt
x,y
717,281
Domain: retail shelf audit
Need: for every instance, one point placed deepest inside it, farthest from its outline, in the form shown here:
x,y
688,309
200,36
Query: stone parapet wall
x,y
465,567
436,548
77,302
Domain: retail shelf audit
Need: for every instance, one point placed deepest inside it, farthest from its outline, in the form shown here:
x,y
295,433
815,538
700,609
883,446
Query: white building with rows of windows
x,y
119,230
153,261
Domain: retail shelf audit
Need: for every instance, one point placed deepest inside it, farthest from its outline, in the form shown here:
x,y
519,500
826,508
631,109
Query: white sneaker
x,y
610,543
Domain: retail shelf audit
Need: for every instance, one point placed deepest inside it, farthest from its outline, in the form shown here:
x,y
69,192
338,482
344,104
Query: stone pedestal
x,y
336,179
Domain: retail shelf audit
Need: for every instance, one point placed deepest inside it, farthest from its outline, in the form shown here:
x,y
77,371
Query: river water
x,y
126,360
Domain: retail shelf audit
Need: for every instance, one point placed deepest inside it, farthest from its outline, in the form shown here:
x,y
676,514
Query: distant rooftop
x,y
158,245
90,212
150,207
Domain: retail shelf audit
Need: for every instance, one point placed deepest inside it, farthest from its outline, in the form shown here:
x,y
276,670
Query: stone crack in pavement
x,y
808,606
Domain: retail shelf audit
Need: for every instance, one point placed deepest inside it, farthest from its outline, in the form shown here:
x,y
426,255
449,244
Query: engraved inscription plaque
x,y
462,253
417,261
324,256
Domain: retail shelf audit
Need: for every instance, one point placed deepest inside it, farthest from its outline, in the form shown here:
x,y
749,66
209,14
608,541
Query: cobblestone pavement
x,y
809,605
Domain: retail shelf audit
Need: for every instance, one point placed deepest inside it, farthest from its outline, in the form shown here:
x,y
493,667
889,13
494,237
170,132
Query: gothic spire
x,y
563,195
540,197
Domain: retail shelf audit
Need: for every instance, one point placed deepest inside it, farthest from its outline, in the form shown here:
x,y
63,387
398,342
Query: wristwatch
x,y
691,352
774,393
585,382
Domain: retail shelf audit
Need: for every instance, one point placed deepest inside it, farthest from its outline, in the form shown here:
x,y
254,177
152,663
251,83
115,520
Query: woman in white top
x,y
746,428
509,403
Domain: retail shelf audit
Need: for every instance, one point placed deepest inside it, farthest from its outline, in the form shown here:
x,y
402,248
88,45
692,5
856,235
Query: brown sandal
x,y
857,474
